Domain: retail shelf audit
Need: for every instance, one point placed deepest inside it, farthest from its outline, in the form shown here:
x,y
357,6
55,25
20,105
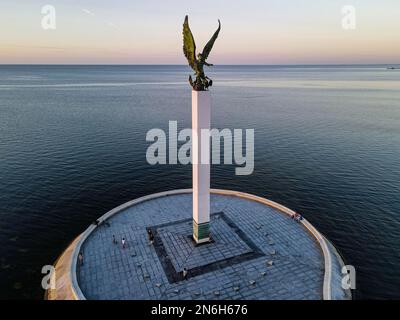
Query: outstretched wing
x,y
210,43
189,46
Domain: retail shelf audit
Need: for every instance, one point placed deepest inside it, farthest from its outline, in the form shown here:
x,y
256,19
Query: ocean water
x,y
72,146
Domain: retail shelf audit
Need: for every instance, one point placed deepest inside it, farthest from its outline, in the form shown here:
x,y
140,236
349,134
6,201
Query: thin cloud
x,y
88,12
9,47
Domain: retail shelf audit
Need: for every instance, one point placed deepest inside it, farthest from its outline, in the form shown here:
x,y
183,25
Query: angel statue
x,y
202,82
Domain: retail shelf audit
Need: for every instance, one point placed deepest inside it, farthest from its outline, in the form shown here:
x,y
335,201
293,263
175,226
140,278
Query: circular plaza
x,y
257,251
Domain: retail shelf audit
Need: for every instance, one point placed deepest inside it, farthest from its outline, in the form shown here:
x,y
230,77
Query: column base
x,y
201,232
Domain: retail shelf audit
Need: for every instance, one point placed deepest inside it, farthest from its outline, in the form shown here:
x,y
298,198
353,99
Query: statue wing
x,y
210,43
189,46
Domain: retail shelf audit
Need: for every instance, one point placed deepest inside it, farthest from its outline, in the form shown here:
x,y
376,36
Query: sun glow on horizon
x,y
255,32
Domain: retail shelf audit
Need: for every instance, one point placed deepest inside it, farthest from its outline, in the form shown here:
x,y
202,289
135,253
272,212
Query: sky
x,y
150,31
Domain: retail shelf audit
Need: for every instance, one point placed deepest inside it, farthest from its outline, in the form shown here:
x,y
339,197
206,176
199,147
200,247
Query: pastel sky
x,y
150,31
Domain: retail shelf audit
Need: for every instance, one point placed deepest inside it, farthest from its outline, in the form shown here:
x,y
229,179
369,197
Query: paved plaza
x,y
256,252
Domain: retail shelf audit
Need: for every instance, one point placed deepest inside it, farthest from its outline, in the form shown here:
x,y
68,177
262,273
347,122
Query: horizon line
x,y
182,65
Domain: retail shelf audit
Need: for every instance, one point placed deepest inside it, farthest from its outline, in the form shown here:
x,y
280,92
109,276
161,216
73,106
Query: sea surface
x,y
73,146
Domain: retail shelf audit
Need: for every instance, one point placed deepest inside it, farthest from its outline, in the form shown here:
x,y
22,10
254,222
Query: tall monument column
x,y
201,114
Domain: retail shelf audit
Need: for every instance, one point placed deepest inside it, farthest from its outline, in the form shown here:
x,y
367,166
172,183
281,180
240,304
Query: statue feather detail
x,y
210,43
189,46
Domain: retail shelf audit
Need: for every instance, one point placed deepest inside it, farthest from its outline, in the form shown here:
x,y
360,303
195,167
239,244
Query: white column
x,y
201,114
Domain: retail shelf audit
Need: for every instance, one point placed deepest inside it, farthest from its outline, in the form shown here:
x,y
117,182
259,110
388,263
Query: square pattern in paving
x,y
177,250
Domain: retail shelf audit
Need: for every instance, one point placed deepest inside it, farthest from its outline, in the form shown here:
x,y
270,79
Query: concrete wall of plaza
x,y
67,286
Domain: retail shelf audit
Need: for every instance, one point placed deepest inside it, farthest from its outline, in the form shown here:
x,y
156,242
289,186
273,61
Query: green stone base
x,y
201,232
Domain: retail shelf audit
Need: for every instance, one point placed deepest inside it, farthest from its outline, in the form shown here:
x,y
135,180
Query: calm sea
x,y
72,146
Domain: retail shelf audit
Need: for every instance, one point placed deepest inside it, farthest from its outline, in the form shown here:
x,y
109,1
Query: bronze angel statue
x,y
202,82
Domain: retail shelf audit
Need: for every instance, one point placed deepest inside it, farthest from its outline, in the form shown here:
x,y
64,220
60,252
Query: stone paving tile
x,y
111,272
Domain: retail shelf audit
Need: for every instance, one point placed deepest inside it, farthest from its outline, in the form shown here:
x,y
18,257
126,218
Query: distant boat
x,y
392,68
